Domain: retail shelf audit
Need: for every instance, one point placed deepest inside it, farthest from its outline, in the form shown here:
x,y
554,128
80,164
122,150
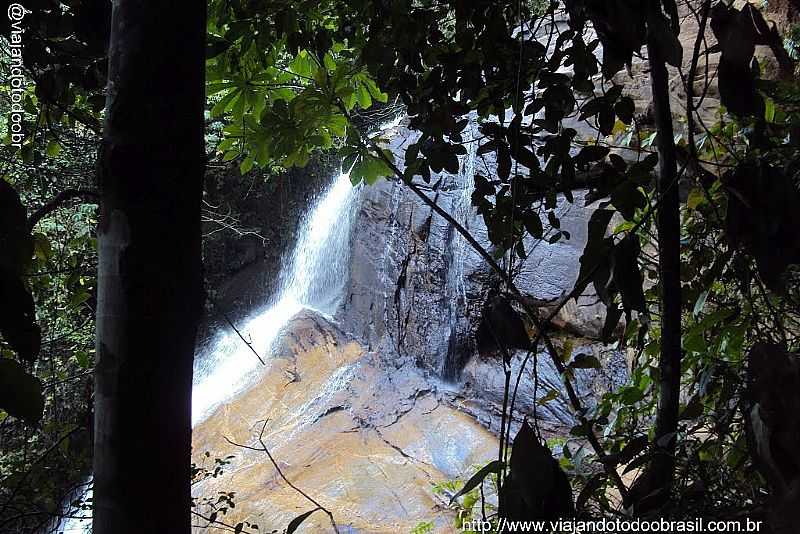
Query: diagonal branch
x,y
58,201
238,333
541,326
265,449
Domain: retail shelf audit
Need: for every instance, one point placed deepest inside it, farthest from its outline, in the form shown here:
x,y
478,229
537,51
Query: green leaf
x,y
78,298
82,357
363,97
53,148
492,467
41,247
769,110
696,198
302,65
551,395
337,124
246,165
374,91
369,169
297,521
631,395
230,155
695,341
224,103
20,393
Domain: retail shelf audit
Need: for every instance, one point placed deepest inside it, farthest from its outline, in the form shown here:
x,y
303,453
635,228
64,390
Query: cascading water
x,y
463,212
79,520
313,276
457,250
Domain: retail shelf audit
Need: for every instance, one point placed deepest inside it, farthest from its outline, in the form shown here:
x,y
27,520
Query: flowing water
x,y
313,276
457,250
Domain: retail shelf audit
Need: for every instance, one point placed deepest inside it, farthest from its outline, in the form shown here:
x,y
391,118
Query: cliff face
x,y
417,293
368,408
365,441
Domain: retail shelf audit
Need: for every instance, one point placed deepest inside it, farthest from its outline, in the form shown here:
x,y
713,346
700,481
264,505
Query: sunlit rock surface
x,y
368,414
366,443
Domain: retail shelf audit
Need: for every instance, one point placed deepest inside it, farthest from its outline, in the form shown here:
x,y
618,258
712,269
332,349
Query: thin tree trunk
x,y
668,223
150,278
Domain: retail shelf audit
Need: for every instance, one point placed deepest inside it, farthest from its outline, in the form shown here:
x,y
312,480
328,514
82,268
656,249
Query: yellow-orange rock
x,y
366,444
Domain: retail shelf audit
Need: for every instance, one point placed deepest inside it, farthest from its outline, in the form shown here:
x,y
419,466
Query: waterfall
x,y
76,521
457,251
313,276
463,211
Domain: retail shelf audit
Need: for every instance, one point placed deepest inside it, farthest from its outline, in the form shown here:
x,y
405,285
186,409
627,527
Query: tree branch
x,y
541,326
238,333
278,469
87,195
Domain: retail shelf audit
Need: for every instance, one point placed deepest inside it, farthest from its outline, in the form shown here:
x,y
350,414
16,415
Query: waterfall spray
x,y
313,277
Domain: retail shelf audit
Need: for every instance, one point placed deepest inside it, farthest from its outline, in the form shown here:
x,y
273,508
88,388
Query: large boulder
x,y
366,442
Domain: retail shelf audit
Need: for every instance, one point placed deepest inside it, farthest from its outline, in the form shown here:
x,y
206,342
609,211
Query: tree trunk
x,y
150,274
668,223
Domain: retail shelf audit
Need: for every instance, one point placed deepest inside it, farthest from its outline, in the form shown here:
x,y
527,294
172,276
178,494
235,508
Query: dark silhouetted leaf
x,y
627,275
693,409
536,488
297,521
476,479
625,108
589,154
613,315
20,393
634,447
592,485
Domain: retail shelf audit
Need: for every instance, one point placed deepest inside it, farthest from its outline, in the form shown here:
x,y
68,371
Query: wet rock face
x,y
249,222
365,441
417,292
368,412
367,409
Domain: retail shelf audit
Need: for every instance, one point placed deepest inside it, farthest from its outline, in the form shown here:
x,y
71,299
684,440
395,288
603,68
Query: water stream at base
x,y
313,277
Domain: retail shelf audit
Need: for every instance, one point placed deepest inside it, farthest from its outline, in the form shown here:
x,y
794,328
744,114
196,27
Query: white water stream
x,y
313,276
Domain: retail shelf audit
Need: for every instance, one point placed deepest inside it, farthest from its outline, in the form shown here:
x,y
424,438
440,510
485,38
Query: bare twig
x,y
222,524
238,333
265,449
